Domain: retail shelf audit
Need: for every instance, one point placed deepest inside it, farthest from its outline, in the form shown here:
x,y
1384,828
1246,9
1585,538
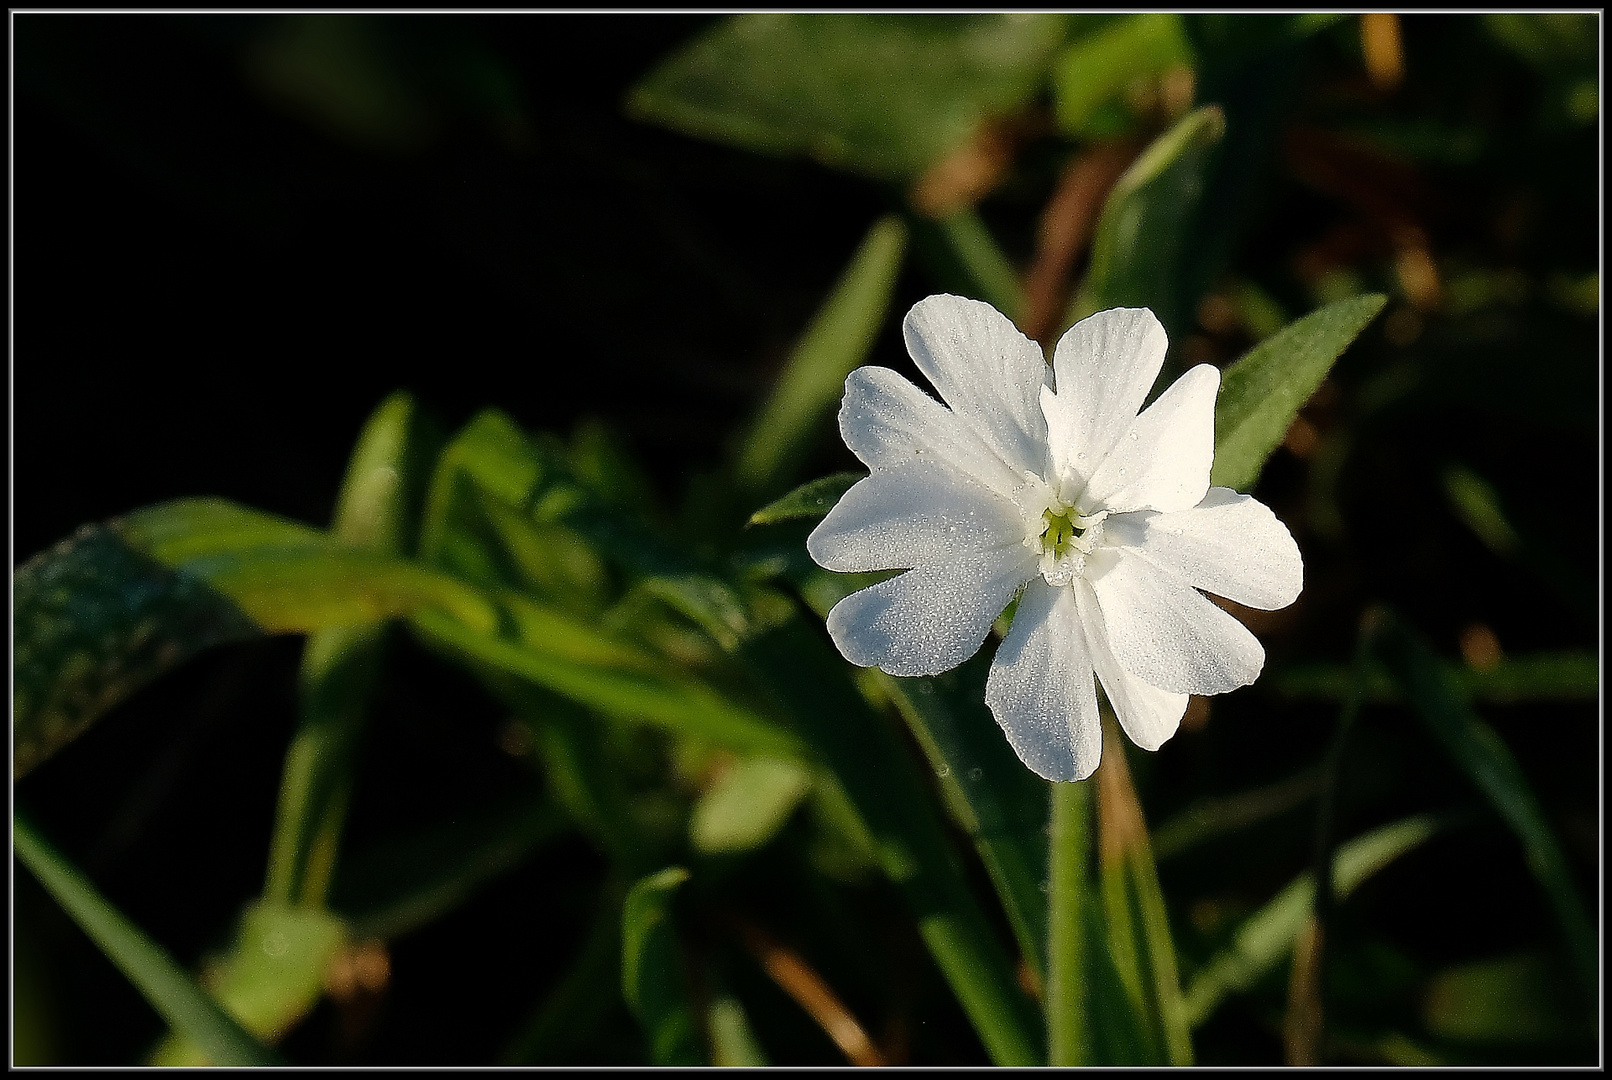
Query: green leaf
x,y
1097,67
813,499
1481,754
630,691
878,775
1262,393
1266,936
838,339
290,578
407,882
652,977
1142,244
270,978
1137,924
883,95
732,1041
968,260
747,805
93,621
171,991
1000,804
340,667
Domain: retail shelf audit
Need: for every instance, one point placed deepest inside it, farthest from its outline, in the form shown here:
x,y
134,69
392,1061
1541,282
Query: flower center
x,y
1064,540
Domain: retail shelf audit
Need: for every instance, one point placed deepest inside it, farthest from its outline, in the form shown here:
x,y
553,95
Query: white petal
x,y
886,420
1165,633
913,514
989,373
930,619
1105,366
1148,715
1041,688
1229,544
1162,462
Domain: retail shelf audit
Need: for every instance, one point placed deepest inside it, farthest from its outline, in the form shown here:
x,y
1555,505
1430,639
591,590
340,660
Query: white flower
x,y
1049,481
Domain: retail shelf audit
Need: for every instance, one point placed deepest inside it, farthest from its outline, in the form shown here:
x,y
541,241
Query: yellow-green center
x,y
1060,533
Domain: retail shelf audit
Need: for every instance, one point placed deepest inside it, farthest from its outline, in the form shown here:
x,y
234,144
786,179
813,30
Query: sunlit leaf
x,y
340,666
175,996
747,805
271,976
1095,68
1262,393
813,380
93,620
877,94
629,691
652,976
813,499
1142,243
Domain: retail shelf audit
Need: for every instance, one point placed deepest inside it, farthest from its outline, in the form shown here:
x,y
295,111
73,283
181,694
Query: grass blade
x,y
876,772
1482,755
813,499
1269,934
1262,393
171,991
339,669
652,977
999,803
838,339
1141,244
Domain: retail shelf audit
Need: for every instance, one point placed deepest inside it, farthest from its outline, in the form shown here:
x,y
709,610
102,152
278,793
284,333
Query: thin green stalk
x,y
168,987
1068,1027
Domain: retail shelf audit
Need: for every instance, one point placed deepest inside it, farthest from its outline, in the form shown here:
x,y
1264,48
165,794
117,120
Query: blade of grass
x,y
813,499
1481,754
339,669
1139,925
652,977
1261,393
998,802
175,996
584,996
1141,241
838,339
1267,935
663,699
971,256
408,882
876,772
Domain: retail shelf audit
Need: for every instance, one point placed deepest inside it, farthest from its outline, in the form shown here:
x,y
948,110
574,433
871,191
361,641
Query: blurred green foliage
x,y
738,849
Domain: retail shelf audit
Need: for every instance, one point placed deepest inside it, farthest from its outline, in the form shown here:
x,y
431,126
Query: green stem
x,y
1067,1024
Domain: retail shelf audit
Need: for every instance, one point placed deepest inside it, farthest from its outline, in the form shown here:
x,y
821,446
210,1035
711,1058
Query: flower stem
x,y
1067,1028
